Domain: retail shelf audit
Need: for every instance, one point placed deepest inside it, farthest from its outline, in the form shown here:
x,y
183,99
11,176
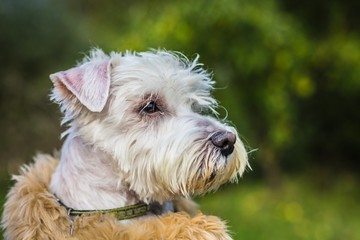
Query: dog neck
x,y
86,178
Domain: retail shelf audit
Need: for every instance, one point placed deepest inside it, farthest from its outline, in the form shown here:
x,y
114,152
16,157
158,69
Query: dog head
x,y
152,113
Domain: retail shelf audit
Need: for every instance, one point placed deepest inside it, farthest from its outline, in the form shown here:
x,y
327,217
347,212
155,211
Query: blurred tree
x,y
279,74
321,16
36,37
291,73
254,49
330,140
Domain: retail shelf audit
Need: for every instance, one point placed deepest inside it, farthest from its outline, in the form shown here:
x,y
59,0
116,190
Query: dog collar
x,y
127,212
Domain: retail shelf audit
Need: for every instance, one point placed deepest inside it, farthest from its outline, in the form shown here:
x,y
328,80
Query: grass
x,y
297,211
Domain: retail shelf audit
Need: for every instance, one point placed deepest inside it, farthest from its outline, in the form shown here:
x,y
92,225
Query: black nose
x,y
225,141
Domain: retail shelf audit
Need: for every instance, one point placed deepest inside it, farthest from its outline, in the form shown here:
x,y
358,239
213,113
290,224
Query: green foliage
x,y
287,72
278,79
37,37
300,211
280,84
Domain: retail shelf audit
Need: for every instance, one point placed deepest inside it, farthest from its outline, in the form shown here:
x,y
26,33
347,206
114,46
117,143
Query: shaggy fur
x,y
142,128
32,212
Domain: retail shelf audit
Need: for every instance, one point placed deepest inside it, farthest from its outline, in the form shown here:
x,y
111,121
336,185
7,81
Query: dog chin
x,y
211,174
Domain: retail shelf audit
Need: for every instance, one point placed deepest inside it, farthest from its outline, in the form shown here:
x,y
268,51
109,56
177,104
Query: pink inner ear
x,y
89,82
72,79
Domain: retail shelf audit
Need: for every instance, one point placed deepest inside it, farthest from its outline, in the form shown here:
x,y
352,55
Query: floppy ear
x,y
89,83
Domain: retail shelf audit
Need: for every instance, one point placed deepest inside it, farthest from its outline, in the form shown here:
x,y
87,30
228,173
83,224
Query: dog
x,y
143,137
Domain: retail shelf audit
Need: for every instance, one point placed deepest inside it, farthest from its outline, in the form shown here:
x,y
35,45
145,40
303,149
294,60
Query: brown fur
x,y
32,212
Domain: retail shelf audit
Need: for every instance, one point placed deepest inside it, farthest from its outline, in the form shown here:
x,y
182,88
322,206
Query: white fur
x,y
120,155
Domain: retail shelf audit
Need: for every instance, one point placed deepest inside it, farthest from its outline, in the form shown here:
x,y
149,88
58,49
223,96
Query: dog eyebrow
x,y
152,97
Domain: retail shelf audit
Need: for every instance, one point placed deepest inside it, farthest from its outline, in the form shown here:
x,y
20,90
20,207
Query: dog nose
x,y
225,141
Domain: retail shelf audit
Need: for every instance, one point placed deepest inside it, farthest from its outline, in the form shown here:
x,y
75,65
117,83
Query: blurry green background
x,y
288,73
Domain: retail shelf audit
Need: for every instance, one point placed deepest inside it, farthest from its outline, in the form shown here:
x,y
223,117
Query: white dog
x,y
140,141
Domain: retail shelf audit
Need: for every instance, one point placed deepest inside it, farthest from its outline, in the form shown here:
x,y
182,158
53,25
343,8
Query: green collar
x,y
127,212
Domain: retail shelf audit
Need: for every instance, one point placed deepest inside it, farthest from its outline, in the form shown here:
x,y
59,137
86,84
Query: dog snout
x,y
224,140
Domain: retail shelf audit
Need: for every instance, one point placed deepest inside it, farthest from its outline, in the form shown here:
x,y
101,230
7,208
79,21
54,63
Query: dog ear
x,y
89,83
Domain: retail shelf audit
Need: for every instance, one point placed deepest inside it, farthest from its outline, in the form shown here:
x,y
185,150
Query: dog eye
x,y
150,107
